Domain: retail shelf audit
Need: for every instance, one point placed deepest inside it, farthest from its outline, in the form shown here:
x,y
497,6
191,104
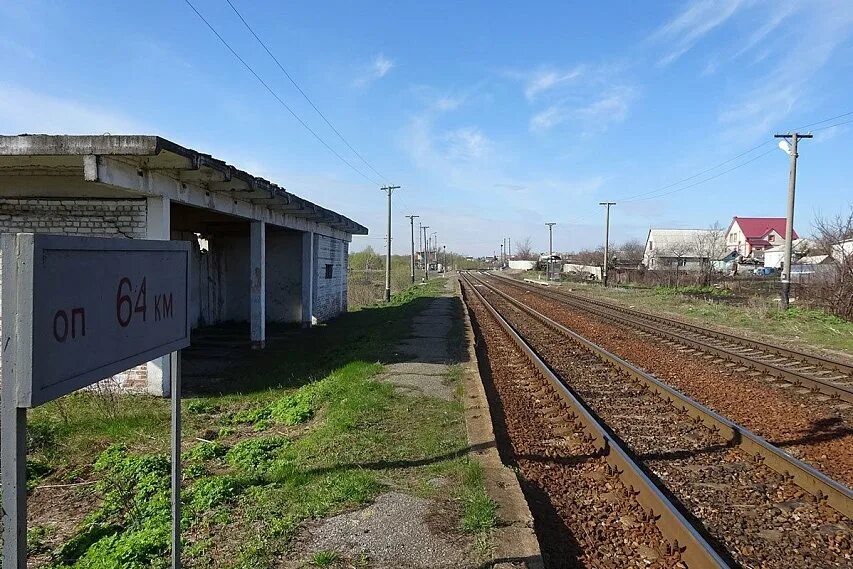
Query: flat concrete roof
x,y
158,154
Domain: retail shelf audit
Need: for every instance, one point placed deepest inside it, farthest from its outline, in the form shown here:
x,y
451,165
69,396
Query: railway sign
x,y
76,310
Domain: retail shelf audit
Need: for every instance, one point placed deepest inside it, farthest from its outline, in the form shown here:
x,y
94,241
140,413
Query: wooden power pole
x,y
412,221
789,222
388,189
606,241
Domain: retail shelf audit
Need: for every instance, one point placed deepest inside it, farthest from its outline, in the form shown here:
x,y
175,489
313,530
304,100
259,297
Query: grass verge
x,y
799,327
302,432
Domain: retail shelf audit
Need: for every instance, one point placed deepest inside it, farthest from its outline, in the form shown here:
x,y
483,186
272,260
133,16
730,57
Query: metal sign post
x,y
77,310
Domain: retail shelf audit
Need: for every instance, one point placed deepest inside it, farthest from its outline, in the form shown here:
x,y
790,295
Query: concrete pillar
x,y
159,226
258,280
307,278
342,278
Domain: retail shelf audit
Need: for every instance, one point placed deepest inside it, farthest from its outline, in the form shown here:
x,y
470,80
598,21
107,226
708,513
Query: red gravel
x,y
583,515
809,429
757,515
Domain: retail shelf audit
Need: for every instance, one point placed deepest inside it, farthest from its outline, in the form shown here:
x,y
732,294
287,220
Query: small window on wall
x,y
329,271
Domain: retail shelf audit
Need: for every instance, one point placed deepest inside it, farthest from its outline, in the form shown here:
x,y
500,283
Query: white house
x,y
774,255
748,234
686,248
842,250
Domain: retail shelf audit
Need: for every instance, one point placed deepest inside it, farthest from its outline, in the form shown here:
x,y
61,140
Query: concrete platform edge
x,y
515,542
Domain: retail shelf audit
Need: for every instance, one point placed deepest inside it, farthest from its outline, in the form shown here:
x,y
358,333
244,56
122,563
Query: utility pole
x,y
789,223
388,189
444,261
502,256
509,247
550,246
412,221
426,252
434,248
606,240
420,241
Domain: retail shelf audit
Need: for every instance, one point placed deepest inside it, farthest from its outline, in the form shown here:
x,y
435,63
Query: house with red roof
x,y
748,234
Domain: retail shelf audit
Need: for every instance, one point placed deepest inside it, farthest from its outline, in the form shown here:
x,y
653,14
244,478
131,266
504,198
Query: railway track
x,y
756,505
829,378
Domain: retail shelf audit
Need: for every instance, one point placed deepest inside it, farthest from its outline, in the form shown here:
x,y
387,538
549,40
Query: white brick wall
x,y
89,218
330,293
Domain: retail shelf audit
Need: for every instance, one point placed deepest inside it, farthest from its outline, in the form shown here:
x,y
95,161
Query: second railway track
x,y
830,377
749,497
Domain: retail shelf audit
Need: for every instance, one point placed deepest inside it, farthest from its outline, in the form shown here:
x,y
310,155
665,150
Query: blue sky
x,y
495,117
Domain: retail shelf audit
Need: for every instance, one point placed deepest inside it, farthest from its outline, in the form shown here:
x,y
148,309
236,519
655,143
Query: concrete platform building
x,y
260,253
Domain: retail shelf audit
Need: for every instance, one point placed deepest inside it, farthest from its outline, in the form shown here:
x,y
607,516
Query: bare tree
x,y
587,256
710,244
631,250
833,289
524,251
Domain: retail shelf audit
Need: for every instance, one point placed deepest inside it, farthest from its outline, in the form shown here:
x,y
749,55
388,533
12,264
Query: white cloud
x,y
382,65
549,118
545,79
378,68
694,22
467,143
23,110
445,104
775,94
594,116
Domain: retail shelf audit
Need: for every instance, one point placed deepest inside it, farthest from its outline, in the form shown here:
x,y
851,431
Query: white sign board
x,y
85,309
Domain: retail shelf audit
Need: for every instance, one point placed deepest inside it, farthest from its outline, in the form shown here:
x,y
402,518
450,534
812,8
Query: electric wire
x,y
298,88
277,97
640,196
825,120
687,187
832,125
694,176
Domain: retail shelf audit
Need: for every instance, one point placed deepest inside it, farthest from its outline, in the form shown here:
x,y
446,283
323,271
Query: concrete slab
x,y
515,541
392,532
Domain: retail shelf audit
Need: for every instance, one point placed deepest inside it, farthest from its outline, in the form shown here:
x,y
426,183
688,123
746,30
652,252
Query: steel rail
x,y
683,536
790,353
634,318
806,477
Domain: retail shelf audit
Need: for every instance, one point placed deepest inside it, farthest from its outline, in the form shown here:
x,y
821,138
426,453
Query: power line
x,y
732,159
832,125
679,182
298,88
279,99
825,120
702,181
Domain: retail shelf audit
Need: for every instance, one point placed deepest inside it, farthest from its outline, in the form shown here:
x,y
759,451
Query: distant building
x,y
811,266
686,248
748,234
841,251
773,256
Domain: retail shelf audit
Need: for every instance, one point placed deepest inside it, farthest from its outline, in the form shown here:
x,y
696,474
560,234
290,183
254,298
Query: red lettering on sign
x,y
60,334
75,312
123,300
140,300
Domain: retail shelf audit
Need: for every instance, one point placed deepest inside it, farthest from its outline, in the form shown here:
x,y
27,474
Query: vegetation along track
x,y
746,494
812,427
826,376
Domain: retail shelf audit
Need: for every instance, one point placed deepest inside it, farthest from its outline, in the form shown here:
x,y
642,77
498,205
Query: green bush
x,y
205,450
131,527
255,455
293,409
207,493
